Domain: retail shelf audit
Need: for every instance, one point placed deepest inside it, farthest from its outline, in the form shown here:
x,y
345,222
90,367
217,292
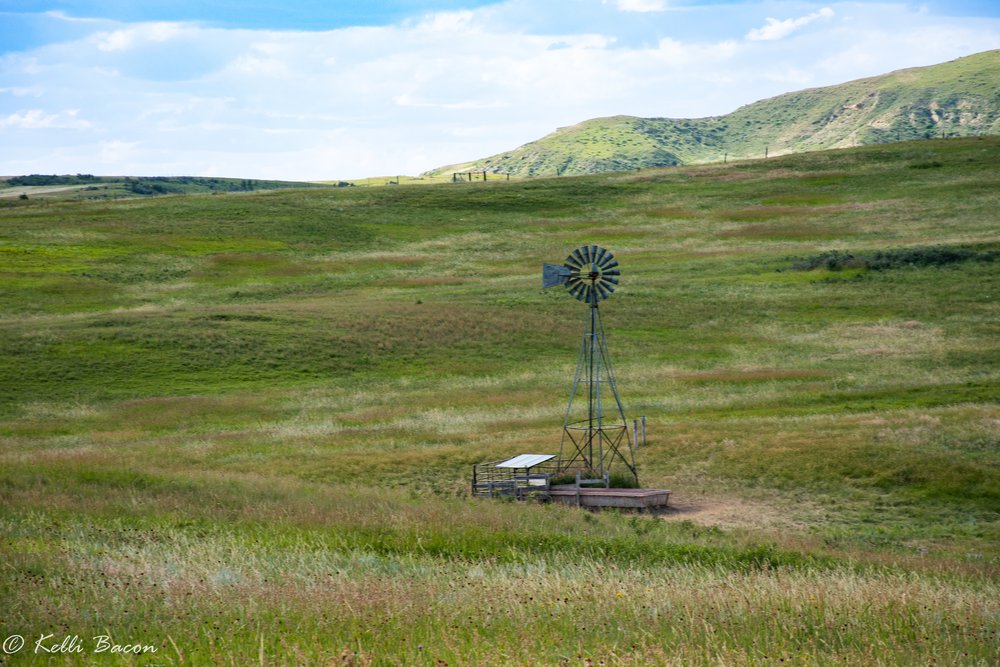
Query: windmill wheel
x,y
593,273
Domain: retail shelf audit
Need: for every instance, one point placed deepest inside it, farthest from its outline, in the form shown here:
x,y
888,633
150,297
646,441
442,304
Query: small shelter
x,y
518,476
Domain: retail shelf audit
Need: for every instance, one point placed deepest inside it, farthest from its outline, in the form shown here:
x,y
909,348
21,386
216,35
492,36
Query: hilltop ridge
x,y
956,98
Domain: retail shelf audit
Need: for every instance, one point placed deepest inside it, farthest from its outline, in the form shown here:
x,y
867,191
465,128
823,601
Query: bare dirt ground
x,y
724,512
38,190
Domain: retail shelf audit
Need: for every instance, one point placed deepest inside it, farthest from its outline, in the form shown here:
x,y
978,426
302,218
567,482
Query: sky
x,y
328,89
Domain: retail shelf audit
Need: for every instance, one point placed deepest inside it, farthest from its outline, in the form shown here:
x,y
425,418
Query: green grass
x,y
240,428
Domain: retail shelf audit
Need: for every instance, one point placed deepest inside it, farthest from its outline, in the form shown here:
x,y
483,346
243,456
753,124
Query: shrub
x,y
881,260
623,480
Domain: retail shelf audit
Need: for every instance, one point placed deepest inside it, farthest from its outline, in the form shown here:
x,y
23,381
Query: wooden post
x,y
635,432
644,430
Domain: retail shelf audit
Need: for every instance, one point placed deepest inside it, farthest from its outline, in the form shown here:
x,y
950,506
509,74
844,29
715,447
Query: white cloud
x,y
406,100
63,16
25,91
117,152
642,5
143,33
774,29
445,22
37,119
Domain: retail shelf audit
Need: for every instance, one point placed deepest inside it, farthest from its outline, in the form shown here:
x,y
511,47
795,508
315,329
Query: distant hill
x,y
956,98
88,186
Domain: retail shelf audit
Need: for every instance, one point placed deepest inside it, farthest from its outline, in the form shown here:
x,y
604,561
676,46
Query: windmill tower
x,y
595,432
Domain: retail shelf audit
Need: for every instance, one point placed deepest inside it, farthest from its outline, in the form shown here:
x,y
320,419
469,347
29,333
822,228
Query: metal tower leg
x,y
596,441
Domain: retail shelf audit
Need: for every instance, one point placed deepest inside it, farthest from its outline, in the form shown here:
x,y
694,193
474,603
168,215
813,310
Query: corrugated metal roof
x,y
525,460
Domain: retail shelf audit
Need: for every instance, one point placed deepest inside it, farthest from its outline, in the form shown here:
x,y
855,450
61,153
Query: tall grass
x,y
310,572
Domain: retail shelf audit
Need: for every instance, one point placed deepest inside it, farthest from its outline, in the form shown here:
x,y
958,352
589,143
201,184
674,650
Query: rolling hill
x,y
956,98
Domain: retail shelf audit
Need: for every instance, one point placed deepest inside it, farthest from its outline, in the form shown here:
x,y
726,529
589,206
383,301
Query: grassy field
x,y
238,428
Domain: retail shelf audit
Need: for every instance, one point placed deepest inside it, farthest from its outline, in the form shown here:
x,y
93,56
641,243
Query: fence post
x,y
644,430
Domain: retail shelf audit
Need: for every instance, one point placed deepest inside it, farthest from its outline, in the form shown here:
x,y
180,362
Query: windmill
x,y
595,435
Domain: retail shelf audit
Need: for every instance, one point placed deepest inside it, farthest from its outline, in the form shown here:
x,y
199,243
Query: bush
x,y
624,480
881,260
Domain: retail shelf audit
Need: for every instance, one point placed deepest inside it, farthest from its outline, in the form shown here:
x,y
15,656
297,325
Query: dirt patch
x,y
725,513
785,230
671,213
431,280
751,375
17,191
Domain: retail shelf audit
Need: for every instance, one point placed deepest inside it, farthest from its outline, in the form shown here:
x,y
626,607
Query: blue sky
x,y
322,90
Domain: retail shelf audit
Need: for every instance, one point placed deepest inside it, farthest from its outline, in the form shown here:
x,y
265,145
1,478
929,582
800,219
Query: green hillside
x,y
240,428
957,98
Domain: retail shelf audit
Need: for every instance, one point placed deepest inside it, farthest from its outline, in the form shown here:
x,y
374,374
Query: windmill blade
x,y
553,274
601,254
611,272
584,253
576,290
601,290
610,279
610,265
606,261
576,259
593,253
